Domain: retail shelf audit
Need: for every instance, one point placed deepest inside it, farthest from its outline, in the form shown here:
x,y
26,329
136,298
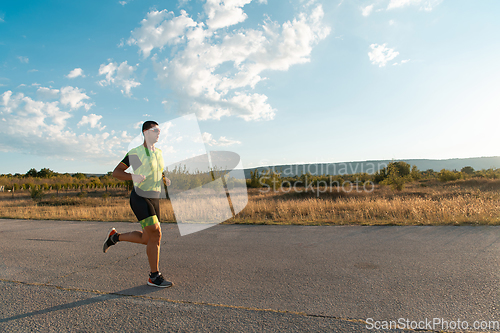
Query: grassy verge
x,y
473,201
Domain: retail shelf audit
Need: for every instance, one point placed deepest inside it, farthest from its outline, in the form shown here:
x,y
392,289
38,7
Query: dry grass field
x,y
472,201
420,203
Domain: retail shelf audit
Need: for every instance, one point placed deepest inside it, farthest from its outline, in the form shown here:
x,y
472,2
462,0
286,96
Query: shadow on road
x,y
135,291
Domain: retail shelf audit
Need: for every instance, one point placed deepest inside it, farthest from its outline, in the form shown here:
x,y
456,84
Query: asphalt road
x,y
233,278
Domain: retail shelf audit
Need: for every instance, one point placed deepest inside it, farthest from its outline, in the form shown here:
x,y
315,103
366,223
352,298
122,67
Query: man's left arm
x,y
166,181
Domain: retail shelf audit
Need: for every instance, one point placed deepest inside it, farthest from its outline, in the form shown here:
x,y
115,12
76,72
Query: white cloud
x,y
223,141
75,73
401,63
391,22
119,75
123,3
75,97
39,128
366,11
223,14
92,120
24,60
212,69
380,54
159,29
426,5
47,93
33,70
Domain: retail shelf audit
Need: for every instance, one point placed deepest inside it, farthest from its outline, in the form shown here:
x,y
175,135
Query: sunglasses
x,y
154,129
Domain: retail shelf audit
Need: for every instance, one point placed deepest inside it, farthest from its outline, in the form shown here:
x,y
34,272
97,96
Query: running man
x,y
147,164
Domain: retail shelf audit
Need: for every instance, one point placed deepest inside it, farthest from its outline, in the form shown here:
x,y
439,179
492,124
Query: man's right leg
x,y
138,237
151,237
133,237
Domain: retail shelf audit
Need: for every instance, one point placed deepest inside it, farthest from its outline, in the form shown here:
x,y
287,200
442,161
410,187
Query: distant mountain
x,y
342,168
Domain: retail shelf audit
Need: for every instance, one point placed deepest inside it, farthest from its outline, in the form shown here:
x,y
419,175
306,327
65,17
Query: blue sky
x,y
278,82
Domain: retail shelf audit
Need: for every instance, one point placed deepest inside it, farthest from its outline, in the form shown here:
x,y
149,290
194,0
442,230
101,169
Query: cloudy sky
x,y
275,81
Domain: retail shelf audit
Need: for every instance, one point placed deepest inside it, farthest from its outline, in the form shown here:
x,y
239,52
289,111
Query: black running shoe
x,y
159,281
109,240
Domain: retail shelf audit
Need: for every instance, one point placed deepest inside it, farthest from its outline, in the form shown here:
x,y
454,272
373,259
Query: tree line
x,y
47,179
395,174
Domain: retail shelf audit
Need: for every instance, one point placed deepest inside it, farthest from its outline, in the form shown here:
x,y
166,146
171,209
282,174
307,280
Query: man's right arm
x,y
120,174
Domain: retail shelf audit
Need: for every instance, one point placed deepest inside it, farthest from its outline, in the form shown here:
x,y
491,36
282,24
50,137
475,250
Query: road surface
x,y
54,277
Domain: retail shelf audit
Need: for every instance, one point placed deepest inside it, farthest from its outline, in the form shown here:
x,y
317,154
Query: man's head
x,y
148,124
151,132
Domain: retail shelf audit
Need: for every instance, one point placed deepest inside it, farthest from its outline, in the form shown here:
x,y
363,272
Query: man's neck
x,y
152,147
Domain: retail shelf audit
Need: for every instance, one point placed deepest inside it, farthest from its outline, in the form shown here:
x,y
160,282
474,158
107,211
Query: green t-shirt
x,y
149,164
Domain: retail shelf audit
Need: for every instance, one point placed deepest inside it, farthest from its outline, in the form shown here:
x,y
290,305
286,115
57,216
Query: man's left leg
x,y
153,234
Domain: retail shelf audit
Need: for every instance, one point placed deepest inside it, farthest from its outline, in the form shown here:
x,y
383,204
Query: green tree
x,y
396,169
32,173
397,174
79,176
129,184
468,170
57,186
45,173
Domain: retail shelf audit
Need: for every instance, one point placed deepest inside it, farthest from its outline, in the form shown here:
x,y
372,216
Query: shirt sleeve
x,y
132,160
126,161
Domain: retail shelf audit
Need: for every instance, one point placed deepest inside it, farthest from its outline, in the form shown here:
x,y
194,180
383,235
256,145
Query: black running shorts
x,y
146,210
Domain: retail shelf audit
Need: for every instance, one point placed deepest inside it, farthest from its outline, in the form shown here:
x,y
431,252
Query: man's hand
x,y
166,181
138,178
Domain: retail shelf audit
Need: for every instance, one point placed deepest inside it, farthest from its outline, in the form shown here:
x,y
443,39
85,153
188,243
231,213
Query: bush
x,y
446,175
254,179
468,170
82,194
36,193
400,169
415,174
397,174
